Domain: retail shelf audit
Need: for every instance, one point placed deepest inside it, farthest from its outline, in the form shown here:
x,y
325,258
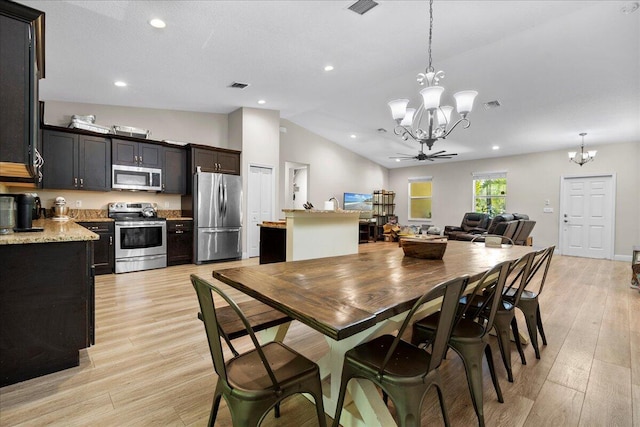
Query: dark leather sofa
x,y
516,227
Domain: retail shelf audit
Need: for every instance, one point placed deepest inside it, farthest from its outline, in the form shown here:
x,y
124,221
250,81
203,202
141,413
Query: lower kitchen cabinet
x,y
103,249
179,242
46,308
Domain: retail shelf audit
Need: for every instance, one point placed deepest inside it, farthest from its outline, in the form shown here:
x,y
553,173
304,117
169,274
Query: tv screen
x,y
359,202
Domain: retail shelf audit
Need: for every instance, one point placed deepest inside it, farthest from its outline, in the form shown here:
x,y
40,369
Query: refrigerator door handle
x,y
220,199
225,200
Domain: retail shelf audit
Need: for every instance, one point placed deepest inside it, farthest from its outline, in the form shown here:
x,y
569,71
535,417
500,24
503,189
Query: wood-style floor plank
x,y
151,363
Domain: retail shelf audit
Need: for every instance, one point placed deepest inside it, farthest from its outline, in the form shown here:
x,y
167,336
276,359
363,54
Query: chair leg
x,y
531,317
539,322
217,395
443,406
492,371
408,402
471,355
502,327
516,338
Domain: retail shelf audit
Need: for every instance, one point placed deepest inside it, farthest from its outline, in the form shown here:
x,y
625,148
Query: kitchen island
x,y
319,233
46,299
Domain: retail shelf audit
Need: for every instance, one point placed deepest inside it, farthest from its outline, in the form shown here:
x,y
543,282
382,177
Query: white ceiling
x,y
557,67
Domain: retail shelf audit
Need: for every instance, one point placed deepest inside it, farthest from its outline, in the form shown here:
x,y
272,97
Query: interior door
x,y
260,206
587,219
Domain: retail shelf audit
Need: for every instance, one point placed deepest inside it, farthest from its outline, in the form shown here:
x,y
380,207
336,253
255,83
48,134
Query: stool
x,y
635,268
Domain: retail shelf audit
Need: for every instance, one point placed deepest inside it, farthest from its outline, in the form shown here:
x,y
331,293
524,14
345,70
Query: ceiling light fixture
x,y
328,68
353,136
120,83
495,147
409,120
262,101
157,23
583,157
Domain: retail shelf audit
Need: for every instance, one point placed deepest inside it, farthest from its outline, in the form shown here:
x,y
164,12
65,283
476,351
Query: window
x,y
490,192
420,192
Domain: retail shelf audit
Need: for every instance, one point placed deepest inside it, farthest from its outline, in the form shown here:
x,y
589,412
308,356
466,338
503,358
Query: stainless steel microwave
x,y
136,178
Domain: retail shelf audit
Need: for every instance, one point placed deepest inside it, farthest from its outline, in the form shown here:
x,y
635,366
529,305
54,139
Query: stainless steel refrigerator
x,y
217,215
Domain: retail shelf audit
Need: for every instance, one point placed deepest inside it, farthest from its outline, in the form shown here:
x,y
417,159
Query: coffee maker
x,y
25,208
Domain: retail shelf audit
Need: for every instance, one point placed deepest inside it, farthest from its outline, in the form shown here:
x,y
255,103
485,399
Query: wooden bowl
x,y
425,247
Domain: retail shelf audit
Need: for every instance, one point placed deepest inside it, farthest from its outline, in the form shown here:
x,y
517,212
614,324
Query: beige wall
x,y
181,126
333,169
532,179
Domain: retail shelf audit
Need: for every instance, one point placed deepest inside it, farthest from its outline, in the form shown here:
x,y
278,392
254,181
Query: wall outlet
x,y
547,210
78,203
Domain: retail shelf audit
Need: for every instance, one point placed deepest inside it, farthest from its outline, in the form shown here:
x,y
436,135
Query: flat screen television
x,y
362,202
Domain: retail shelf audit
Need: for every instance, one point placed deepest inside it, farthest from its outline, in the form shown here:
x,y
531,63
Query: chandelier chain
x,y
430,68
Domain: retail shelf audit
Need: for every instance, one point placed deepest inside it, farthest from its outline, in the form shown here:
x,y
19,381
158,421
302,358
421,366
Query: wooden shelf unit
x,y
383,207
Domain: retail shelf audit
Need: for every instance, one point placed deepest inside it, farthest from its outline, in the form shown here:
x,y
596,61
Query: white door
x,y
587,216
260,201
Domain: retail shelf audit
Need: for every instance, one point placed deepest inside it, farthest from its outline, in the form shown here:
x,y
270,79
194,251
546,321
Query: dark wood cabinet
x,y
103,249
46,308
76,161
273,244
132,153
174,170
210,159
21,66
179,242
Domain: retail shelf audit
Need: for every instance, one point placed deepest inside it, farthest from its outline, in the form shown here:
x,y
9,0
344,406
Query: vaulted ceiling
x,y
557,68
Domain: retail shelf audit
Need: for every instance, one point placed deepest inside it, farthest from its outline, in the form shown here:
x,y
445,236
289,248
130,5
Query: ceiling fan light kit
x,y
436,117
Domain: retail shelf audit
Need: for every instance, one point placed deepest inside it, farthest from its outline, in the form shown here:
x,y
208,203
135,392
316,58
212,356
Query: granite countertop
x,y
273,224
54,231
179,218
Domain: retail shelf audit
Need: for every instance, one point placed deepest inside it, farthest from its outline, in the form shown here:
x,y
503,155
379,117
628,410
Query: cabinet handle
x,y
179,225
81,182
179,231
140,159
75,181
110,240
135,159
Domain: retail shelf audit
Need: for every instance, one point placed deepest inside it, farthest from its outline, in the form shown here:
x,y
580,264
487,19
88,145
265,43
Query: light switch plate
x,y
547,210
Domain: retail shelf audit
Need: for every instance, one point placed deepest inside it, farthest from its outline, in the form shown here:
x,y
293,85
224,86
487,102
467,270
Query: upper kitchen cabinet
x,y
210,159
76,162
21,66
174,170
132,153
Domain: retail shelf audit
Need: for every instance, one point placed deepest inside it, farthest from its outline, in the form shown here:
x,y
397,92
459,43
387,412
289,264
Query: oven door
x,y
140,238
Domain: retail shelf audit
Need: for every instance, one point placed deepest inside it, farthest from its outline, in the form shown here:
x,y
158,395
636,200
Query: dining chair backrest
x,y
490,284
214,332
518,277
450,292
539,269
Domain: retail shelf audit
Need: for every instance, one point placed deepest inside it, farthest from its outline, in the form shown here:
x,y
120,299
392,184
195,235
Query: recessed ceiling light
x,y
495,147
397,160
120,83
353,136
157,23
328,68
262,101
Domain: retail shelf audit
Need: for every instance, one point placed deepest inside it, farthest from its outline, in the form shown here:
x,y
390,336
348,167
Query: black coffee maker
x,y
27,209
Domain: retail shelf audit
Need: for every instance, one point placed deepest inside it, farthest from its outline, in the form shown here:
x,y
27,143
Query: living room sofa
x,y
514,226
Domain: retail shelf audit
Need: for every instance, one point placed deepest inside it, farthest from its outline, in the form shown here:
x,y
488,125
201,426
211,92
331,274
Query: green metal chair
x,y
528,302
469,338
403,371
254,382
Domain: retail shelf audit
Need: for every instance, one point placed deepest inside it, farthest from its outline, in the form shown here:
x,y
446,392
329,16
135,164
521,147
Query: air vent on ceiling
x,y
238,85
491,105
363,6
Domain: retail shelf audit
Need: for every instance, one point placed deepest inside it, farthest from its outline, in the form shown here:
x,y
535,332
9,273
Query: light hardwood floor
x,y
151,364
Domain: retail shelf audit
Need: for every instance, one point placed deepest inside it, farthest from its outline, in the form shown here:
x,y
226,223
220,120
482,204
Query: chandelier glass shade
x,y
431,120
582,157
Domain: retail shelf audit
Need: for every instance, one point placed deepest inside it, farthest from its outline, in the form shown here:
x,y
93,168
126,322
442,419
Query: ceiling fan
x,y
422,156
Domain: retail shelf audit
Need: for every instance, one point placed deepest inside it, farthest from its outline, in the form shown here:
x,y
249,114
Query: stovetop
x,y
144,211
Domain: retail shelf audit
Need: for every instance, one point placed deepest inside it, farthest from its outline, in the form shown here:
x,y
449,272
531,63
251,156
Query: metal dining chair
x,y
469,338
528,302
403,371
505,322
253,382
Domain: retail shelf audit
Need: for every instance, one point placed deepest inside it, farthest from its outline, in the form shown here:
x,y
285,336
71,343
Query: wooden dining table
x,y
351,299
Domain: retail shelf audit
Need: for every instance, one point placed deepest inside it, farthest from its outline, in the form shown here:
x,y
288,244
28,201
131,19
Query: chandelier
x,y
583,157
420,124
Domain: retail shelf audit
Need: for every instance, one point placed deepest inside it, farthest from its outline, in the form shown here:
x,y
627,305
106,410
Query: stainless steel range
x,y
141,237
